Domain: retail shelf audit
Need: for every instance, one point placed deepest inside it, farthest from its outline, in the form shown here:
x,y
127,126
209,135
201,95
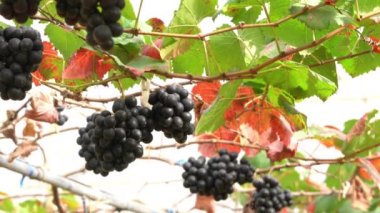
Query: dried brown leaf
x,y
30,129
358,128
42,108
360,194
23,150
205,203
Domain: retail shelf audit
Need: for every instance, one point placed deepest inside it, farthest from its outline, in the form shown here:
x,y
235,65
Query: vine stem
x,y
316,162
202,36
204,141
370,15
253,71
76,188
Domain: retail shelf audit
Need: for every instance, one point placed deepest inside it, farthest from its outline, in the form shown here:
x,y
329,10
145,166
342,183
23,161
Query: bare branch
x,y
76,188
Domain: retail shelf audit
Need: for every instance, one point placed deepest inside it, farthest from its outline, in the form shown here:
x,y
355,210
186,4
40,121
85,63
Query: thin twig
x,y
205,141
77,171
138,14
56,199
158,159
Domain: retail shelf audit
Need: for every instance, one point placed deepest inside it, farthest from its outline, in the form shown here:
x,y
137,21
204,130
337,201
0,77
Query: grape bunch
x,y
100,17
171,112
216,176
105,146
112,141
269,196
135,120
20,54
20,10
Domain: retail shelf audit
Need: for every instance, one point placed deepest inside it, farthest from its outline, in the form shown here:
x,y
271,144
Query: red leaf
x,y
211,149
248,122
156,24
51,65
311,208
203,95
42,108
153,51
375,43
242,102
36,77
85,64
272,130
330,2
206,91
375,164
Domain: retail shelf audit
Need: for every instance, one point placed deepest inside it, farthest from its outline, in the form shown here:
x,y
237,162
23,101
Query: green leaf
x,y
290,179
320,18
225,53
49,7
260,161
297,79
369,136
363,63
246,11
126,48
280,98
242,198
128,11
125,83
366,6
192,61
188,16
341,44
321,54
375,203
70,201
256,39
32,206
326,204
300,36
279,9
66,42
213,117
346,207
144,63
337,174
3,25
7,205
